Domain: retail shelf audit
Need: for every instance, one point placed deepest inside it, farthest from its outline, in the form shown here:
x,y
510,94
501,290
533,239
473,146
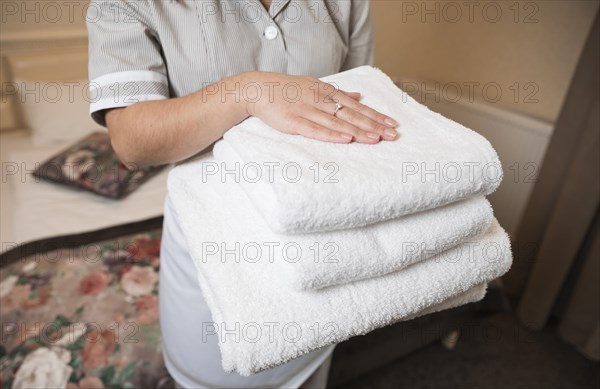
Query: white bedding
x,y
33,209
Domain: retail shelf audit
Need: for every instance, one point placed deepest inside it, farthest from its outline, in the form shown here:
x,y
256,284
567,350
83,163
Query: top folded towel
x,y
303,185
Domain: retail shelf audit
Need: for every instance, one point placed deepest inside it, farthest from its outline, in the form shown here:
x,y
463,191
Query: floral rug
x,y
84,317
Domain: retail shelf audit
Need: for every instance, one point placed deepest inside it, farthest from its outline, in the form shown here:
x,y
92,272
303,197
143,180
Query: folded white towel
x,y
262,322
317,260
318,186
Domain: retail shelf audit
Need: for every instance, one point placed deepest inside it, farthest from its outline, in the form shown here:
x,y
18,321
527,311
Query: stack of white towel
x,y
300,244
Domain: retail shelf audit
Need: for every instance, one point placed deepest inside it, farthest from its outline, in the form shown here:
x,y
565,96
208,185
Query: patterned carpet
x,y
87,317
84,317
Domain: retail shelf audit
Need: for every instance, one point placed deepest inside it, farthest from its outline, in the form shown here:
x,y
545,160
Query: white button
x,y
271,33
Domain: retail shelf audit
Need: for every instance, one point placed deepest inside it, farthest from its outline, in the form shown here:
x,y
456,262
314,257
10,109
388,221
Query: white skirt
x,y
193,358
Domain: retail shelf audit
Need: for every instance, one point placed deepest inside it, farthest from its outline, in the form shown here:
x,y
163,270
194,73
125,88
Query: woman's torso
x,y
205,41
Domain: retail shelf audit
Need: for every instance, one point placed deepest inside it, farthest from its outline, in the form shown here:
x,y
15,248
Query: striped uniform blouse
x,y
158,49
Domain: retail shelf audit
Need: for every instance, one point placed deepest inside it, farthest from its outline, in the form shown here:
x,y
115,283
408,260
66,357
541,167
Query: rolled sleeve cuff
x,y
122,89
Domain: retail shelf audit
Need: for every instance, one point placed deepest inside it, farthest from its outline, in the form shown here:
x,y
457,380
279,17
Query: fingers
x,y
314,118
352,95
366,124
310,129
339,125
371,113
360,116
364,128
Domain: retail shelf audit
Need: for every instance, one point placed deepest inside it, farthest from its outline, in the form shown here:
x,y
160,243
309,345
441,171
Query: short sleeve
x,y
361,47
125,61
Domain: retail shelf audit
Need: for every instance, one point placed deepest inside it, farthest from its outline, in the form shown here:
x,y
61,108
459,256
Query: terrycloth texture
x,y
435,161
317,260
262,322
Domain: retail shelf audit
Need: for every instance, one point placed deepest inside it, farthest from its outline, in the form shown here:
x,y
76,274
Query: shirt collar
x,y
277,6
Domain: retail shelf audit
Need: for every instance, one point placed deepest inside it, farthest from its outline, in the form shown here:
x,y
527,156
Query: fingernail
x,y
346,136
391,122
390,133
372,135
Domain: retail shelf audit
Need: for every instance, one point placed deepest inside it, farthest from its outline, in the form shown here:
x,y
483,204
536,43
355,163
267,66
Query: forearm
x,y
166,131
158,132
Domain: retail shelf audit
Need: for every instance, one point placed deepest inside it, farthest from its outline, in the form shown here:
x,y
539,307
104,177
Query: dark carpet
x,y
493,352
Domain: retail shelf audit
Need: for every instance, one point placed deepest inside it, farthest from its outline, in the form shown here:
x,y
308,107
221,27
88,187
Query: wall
x,y
502,68
39,41
34,16
506,46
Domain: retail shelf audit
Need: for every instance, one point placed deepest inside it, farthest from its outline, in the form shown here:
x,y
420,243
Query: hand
x,y
305,106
